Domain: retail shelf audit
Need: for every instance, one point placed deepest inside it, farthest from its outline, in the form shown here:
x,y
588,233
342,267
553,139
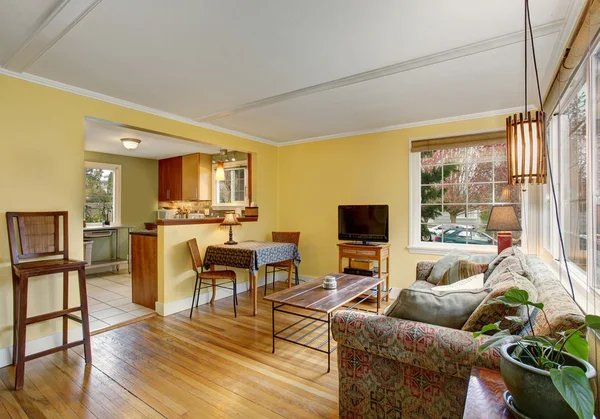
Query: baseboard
x,y
185,303
40,344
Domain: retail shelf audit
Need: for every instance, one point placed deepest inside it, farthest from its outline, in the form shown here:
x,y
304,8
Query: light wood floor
x,y
211,366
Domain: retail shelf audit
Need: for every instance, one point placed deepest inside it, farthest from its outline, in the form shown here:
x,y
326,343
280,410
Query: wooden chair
x,y
213,276
286,265
37,235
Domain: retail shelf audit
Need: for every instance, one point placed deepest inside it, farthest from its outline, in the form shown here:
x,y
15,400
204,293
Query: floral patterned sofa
x,y
394,368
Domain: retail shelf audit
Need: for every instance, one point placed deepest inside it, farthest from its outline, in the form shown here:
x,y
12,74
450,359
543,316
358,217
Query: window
x,y
573,174
454,190
233,191
102,193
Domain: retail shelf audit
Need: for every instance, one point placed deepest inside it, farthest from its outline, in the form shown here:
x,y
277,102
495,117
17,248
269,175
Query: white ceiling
x,y
287,71
105,137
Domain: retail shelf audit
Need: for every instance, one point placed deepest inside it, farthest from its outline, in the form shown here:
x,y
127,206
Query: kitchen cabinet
x,y
169,179
185,178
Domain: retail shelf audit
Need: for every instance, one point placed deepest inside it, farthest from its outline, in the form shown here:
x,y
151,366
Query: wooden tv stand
x,y
378,253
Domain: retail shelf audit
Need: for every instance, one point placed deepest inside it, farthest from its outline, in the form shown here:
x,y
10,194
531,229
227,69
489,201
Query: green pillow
x,y
442,308
462,269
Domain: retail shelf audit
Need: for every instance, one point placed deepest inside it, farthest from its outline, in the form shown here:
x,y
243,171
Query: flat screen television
x,y
366,223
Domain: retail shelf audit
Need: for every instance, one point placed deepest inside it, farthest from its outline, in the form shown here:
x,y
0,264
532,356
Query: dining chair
x,y
226,275
286,265
35,235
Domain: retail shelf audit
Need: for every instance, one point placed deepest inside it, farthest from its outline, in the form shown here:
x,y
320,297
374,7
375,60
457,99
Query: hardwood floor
x,y
210,366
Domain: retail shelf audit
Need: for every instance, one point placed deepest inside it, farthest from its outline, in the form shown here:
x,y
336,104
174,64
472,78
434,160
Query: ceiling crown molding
x,y
130,105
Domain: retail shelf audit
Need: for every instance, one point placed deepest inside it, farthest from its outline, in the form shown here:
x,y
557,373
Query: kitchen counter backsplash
x,y
194,207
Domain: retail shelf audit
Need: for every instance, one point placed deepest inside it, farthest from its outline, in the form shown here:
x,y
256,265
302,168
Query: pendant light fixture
x,y
525,150
220,172
525,136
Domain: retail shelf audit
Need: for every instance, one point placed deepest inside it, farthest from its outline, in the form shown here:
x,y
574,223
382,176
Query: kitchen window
x,y
102,193
455,182
233,191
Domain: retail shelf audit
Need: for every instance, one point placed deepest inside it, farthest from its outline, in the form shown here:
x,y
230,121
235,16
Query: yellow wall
x,y
41,167
316,177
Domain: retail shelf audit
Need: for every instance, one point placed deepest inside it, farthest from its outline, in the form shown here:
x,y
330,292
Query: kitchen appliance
x,y
165,214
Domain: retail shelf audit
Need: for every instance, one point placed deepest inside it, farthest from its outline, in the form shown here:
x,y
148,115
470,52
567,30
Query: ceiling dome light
x,y
130,143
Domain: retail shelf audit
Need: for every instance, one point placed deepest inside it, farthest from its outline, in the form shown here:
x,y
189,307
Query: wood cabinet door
x,y
205,186
190,177
169,179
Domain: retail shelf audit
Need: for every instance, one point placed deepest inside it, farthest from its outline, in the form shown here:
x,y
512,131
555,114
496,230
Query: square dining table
x,y
251,255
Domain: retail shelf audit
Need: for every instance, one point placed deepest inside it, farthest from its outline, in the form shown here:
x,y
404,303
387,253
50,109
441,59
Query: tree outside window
x,y
458,188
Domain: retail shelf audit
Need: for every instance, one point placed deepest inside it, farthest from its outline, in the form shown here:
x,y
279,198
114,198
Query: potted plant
x,y
547,376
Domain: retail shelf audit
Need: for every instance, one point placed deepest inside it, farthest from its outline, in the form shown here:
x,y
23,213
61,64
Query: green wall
x,y
139,197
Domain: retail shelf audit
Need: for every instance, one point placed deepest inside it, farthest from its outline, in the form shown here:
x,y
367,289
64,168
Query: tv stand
x,y
377,252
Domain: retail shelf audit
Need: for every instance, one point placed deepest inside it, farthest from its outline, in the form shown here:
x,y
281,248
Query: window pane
x,y
99,195
466,189
507,193
574,177
480,192
239,185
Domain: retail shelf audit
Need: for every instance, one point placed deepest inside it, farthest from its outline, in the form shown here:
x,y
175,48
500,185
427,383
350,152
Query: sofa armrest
x,y
424,268
435,348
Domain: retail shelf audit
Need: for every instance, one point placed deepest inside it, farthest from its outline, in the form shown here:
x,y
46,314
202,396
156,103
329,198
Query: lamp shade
x,y
230,220
525,146
130,143
220,172
503,218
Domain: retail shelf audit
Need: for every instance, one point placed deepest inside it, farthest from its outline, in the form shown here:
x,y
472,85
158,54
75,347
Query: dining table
x,y
251,255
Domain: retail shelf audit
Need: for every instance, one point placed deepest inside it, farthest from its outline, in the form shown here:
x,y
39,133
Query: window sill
x,y
444,248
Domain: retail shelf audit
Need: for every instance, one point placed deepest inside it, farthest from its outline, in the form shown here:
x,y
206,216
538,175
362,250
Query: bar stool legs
x,y
20,293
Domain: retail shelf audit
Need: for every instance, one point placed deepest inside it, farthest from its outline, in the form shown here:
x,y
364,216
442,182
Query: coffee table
x,y
321,303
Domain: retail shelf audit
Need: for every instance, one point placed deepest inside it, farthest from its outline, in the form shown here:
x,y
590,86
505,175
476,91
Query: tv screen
x,y
363,223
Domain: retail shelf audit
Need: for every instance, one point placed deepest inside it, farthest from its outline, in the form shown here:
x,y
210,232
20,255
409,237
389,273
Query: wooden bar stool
x,y
287,265
37,235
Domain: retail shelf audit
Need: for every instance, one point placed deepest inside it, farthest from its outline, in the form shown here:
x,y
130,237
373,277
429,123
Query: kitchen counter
x,y
208,220
108,227
144,233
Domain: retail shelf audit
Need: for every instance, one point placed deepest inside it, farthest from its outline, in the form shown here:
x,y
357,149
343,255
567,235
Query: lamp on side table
x,y
503,219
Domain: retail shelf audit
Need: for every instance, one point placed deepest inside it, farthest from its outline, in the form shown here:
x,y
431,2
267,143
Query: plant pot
x,y
532,390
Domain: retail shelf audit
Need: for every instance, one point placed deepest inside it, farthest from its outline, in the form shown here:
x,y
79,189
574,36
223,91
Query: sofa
x,y
393,368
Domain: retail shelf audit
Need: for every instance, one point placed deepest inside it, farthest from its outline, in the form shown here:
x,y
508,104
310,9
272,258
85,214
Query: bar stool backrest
x,y
37,234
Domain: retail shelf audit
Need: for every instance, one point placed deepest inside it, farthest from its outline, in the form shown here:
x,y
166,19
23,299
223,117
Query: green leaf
x,y
518,295
515,319
507,301
577,345
574,387
498,340
593,322
487,328
537,305
540,340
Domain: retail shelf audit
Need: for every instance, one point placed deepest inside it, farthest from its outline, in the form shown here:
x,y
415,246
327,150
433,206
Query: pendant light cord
x,y
546,150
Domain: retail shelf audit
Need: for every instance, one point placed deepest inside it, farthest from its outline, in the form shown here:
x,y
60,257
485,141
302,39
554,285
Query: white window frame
x,y
415,245
236,204
117,185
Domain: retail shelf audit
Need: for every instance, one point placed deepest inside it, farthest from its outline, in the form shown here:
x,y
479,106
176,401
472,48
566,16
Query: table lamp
x,y
230,221
503,219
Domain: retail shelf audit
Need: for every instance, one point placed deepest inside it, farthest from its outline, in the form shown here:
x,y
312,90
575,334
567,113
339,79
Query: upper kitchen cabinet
x,y
185,178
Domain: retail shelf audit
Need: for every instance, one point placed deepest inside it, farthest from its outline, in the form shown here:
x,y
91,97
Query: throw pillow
x,y
462,269
442,308
505,269
509,251
442,265
471,283
491,313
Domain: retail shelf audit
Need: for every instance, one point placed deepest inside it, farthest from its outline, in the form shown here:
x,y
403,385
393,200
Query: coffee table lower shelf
x,y
306,330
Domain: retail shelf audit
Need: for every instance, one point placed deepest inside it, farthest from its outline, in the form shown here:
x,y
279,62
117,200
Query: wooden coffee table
x,y
321,303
